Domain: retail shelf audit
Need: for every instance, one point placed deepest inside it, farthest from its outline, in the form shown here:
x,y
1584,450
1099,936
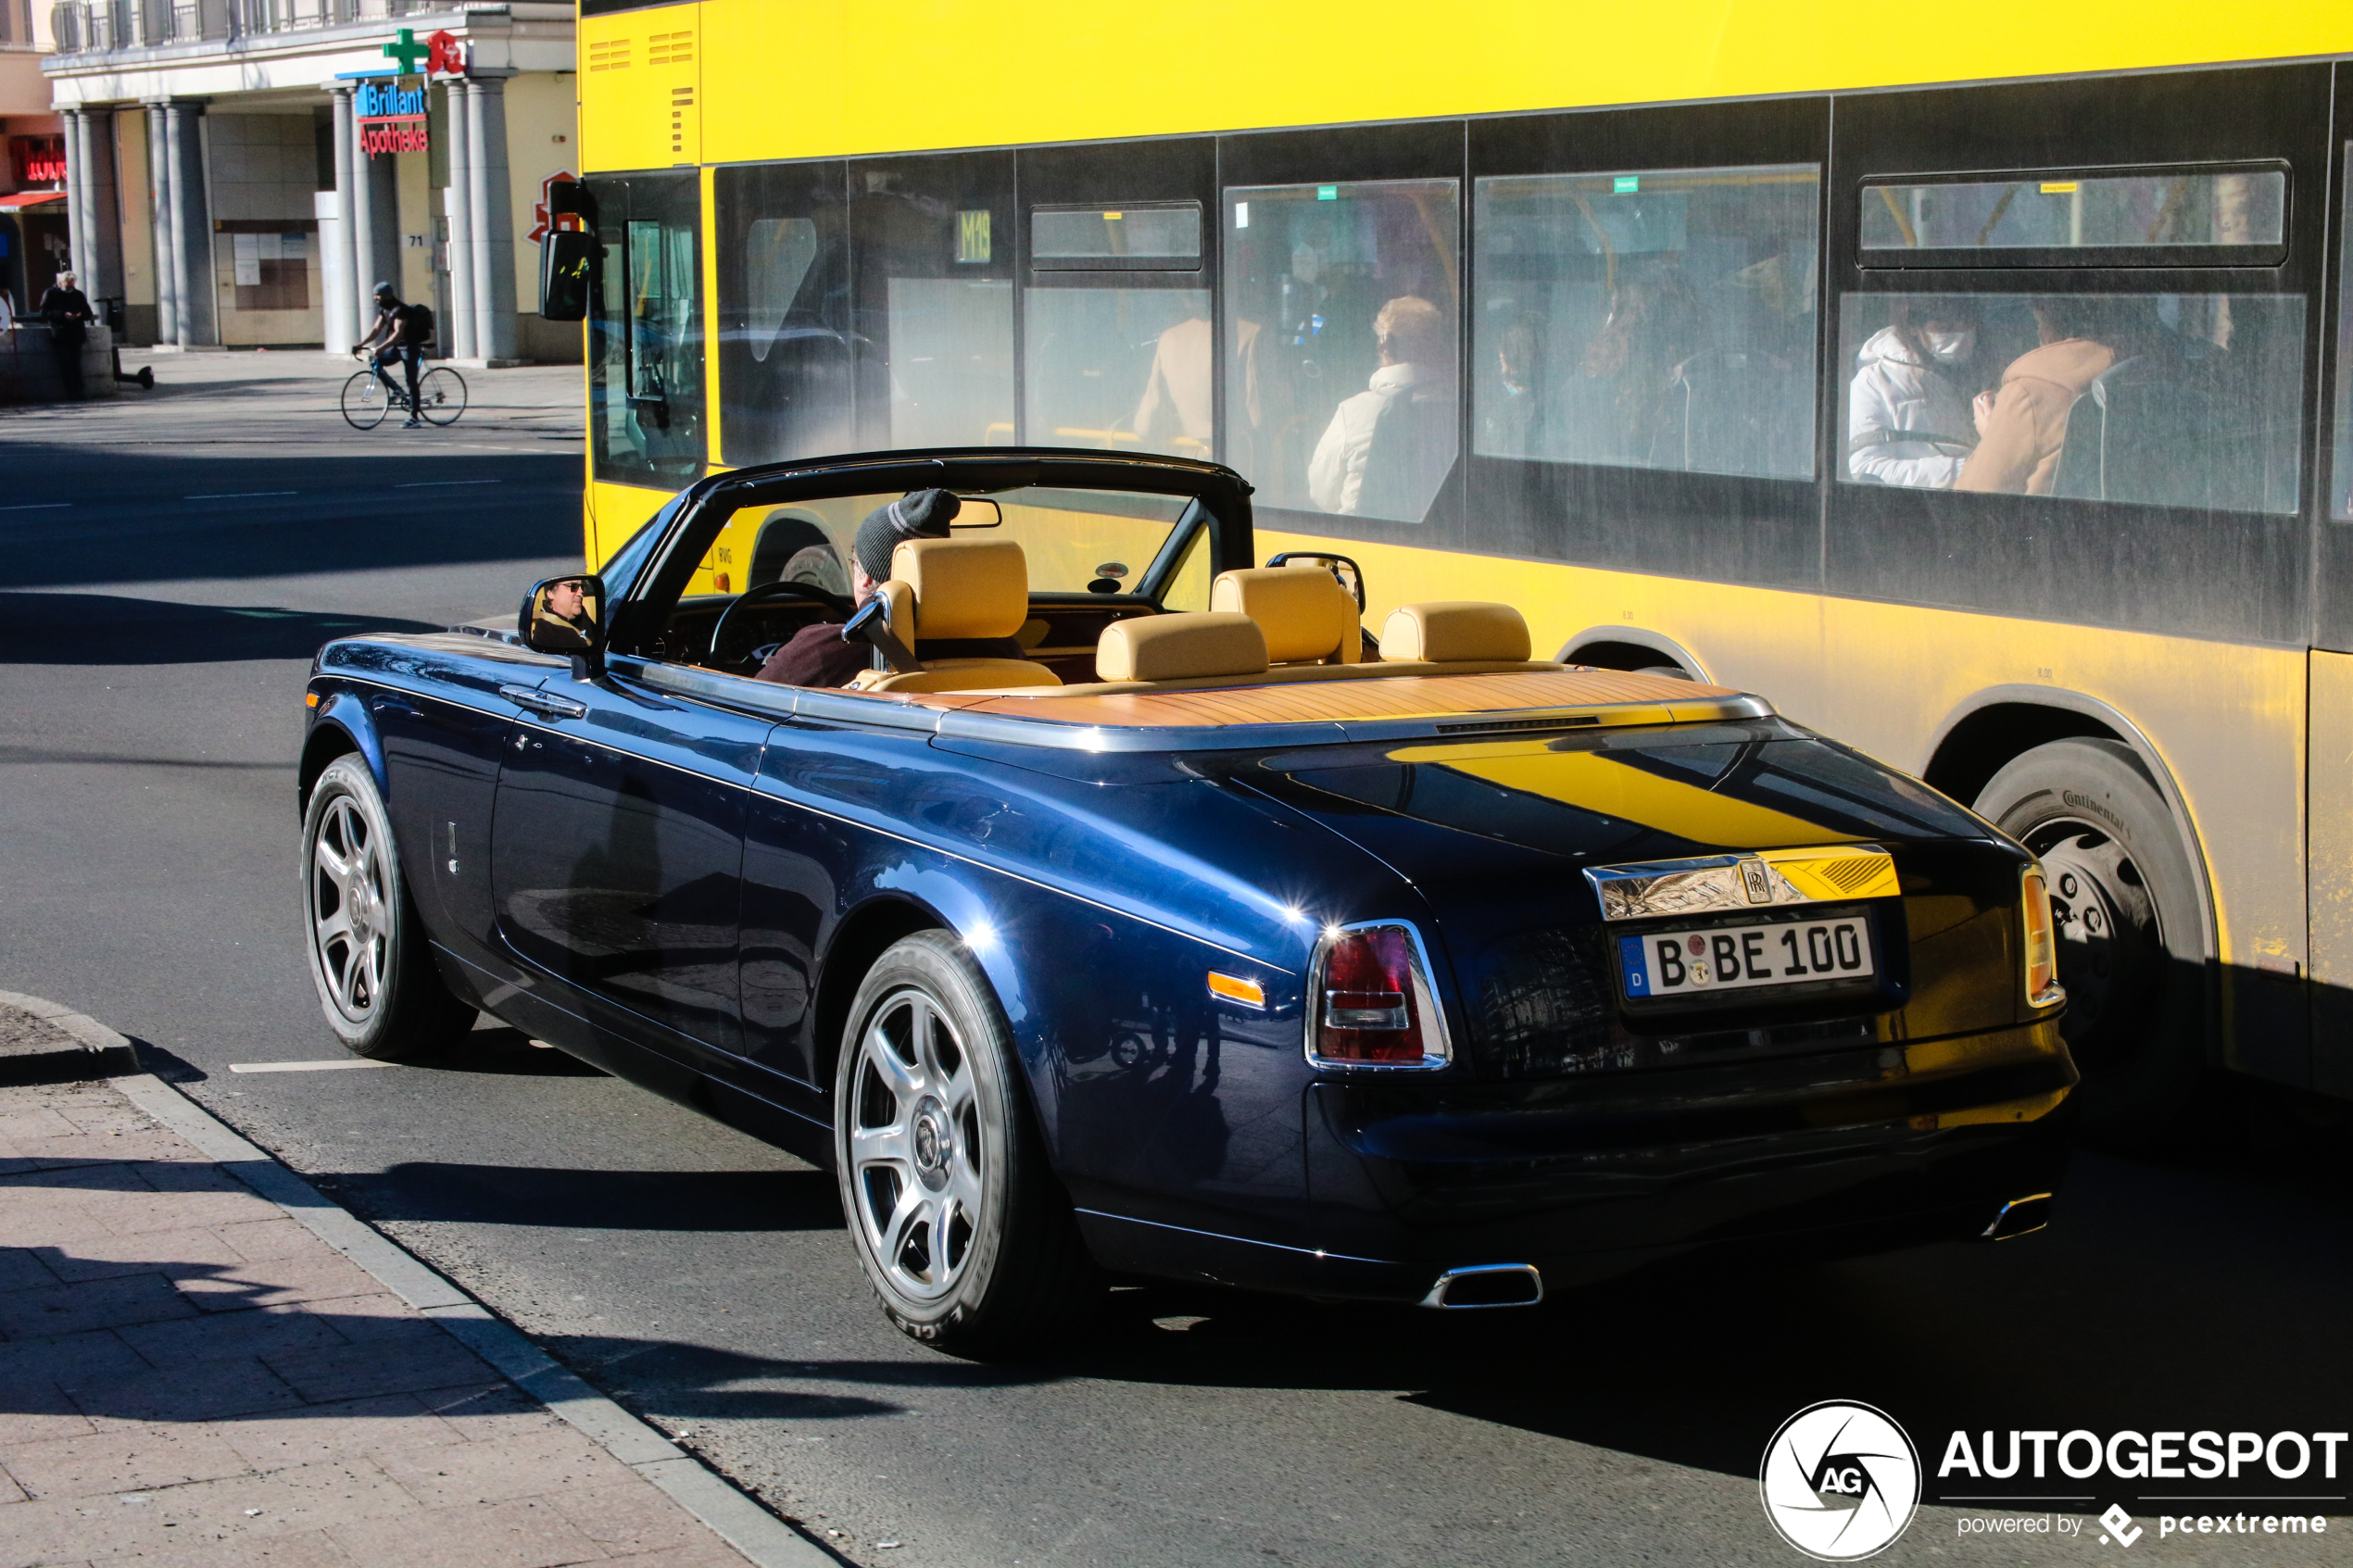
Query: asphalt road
x,y
161,595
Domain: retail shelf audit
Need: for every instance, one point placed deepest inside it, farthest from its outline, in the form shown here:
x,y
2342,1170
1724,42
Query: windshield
x,y
1078,541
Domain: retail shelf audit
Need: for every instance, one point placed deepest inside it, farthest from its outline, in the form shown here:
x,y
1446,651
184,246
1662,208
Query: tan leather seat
x,y
956,590
1181,647
1454,632
1307,616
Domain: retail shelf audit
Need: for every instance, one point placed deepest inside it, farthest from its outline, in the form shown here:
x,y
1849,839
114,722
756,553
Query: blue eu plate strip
x,y
1630,958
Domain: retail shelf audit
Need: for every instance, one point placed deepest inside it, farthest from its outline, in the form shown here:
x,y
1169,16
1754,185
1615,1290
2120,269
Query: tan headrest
x,y
962,587
1304,611
1181,647
1453,630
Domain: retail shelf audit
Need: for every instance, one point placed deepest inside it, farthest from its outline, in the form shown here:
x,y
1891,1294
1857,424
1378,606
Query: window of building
x,y
1650,319
2217,217
1343,379
646,364
2164,399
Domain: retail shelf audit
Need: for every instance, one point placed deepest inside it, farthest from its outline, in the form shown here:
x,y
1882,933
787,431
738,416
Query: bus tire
x,y
2130,951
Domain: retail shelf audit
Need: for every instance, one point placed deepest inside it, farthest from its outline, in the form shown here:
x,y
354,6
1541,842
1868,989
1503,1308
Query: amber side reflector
x,y
1234,988
2043,989
719,580
311,699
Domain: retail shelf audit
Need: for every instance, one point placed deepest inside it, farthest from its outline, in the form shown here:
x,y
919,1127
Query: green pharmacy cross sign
x,y
406,52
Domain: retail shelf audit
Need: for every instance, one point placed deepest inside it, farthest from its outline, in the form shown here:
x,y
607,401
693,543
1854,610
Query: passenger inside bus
x,y
1909,421
1386,449
2024,422
1656,326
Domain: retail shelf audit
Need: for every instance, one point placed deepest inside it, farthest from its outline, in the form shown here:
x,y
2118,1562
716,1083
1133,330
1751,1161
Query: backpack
x,y
420,325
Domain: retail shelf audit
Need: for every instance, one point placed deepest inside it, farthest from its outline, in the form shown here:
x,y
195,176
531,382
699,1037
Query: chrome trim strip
x,y
1729,883
1994,1233
1246,1241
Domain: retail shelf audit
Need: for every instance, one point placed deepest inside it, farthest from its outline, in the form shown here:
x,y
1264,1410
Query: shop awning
x,y
29,199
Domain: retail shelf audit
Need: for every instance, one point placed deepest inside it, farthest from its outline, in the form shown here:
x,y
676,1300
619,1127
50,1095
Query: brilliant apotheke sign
x,y
394,117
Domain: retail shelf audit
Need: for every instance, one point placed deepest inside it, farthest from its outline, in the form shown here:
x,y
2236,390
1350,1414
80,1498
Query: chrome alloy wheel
x,y
350,910
915,1147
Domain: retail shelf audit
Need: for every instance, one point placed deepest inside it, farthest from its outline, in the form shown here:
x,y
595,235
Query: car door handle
x,y
544,704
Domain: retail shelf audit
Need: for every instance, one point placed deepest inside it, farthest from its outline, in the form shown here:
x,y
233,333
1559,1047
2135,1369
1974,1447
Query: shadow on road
x,y
83,515
753,1201
107,629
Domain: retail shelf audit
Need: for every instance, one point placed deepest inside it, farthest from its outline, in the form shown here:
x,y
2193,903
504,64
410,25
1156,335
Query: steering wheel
x,y
767,592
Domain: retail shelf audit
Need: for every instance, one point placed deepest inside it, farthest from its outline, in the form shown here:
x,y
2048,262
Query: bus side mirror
x,y
568,260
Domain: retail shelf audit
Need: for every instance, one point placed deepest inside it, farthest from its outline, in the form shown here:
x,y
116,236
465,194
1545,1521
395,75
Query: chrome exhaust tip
x,y
1486,1284
2020,1216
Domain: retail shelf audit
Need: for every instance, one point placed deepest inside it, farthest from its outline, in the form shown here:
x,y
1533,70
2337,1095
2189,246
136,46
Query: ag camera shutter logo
x,y
1840,1481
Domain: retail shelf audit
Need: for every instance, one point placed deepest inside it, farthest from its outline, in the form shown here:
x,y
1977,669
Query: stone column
x,y
97,230
493,217
375,225
337,259
77,215
192,226
160,217
464,339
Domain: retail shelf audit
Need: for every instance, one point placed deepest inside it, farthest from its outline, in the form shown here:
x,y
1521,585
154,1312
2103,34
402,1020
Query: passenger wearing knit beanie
x,y
918,514
815,656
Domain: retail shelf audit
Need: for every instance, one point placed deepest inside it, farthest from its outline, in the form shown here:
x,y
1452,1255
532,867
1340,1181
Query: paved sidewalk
x,y
189,1377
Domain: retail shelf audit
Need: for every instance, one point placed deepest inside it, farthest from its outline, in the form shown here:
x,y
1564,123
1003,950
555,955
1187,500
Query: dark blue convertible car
x,y
1138,913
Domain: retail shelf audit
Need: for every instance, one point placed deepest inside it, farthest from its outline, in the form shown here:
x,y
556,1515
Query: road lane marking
x,y
334,1066
238,494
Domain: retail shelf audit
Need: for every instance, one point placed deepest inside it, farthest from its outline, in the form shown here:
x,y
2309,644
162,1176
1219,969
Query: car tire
x,y
2131,948
369,958
960,1223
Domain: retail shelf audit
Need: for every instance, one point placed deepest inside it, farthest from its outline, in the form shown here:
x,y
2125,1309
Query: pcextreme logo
x,y
1840,1481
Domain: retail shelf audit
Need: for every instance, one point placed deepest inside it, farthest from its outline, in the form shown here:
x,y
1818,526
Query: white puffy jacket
x,y
1893,391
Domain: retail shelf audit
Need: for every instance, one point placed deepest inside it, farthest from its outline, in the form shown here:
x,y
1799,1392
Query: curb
x,y
739,1520
96,1051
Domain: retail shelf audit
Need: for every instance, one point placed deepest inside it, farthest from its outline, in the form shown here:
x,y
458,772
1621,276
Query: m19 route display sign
x,y
394,117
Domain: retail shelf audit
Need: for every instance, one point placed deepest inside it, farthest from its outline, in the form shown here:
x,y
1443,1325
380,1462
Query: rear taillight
x,y
1371,1004
2042,989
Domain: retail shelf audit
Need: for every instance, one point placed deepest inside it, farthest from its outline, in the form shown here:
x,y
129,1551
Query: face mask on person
x,y
1950,348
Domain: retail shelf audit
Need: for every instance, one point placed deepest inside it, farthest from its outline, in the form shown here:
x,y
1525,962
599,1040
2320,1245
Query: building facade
x,y
242,173
32,218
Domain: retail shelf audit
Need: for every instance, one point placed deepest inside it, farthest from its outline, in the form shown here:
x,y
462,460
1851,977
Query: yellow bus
x,y
1975,389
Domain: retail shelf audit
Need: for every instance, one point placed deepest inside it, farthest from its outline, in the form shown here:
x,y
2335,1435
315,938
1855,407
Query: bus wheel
x,y
2124,894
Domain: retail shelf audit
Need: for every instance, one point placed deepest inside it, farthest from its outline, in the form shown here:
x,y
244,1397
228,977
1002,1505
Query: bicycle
x,y
370,395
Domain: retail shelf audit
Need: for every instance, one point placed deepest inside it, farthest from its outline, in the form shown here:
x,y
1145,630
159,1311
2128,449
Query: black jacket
x,y
68,312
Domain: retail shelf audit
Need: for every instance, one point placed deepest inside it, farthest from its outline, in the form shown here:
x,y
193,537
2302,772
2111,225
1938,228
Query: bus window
x,y
1123,368
646,385
935,300
1164,237
1653,320
2180,400
786,356
2199,211
2340,482
1341,389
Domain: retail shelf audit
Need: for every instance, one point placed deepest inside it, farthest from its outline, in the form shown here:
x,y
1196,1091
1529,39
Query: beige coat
x,y
2027,427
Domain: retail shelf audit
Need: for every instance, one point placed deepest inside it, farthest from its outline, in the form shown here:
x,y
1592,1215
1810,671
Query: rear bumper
x,y
1769,1162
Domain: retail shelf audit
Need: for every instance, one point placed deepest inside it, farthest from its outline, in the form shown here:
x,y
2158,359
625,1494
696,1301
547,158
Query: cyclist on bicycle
x,y
401,332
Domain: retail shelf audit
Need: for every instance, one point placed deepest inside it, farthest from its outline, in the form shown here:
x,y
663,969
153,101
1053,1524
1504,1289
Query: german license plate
x,y
1734,957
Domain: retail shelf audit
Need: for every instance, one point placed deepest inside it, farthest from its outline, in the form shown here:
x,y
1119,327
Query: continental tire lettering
x,y
2086,803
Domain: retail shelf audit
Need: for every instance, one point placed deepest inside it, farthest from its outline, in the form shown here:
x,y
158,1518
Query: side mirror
x,y
872,625
566,615
567,262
